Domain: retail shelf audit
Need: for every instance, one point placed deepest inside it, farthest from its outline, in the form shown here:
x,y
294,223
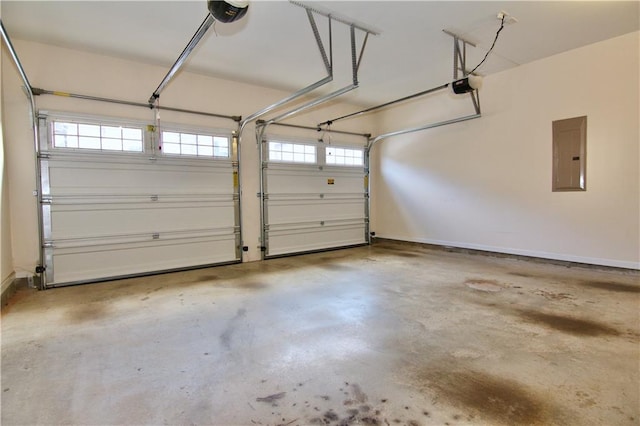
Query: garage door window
x,y
67,134
201,145
344,156
292,152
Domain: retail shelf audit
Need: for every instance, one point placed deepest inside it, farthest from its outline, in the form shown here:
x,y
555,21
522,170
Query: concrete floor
x,y
380,335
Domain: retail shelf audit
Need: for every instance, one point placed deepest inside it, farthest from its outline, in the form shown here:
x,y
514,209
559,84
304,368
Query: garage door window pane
x,y
65,128
131,134
97,137
131,145
90,143
189,150
65,141
344,156
111,132
171,137
292,152
204,140
89,130
220,147
205,150
112,144
201,145
189,139
171,148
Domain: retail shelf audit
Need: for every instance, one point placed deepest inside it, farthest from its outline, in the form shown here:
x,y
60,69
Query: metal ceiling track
x,y
459,65
317,129
328,64
355,66
378,138
384,105
202,30
355,60
34,122
36,91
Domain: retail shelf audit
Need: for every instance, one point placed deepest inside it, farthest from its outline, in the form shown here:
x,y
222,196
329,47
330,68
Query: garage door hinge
x,y
155,236
46,199
44,155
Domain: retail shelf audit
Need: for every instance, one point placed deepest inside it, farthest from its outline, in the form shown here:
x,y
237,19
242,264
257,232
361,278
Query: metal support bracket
x,y
355,64
328,63
459,54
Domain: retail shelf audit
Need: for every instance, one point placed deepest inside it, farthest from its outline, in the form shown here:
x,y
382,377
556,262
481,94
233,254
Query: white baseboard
x,y
529,253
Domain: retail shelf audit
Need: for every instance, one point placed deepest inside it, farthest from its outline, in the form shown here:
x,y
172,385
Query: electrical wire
x,y
492,44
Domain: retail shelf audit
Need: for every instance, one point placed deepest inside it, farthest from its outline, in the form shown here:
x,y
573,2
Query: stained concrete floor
x,y
380,335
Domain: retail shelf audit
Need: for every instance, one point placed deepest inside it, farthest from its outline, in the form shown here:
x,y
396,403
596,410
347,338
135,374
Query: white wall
x,y
16,129
482,184
486,183
6,256
54,68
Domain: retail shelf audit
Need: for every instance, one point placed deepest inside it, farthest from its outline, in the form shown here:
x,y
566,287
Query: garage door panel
x,y
298,209
302,181
312,206
79,221
68,178
110,214
89,263
295,238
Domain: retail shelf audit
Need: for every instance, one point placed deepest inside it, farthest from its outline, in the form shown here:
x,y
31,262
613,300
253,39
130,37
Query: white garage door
x,y
122,199
314,196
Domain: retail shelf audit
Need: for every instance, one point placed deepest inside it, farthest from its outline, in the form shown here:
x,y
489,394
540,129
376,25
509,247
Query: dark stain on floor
x,y
577,326
499,399
321,414
606,285
401,252
271,398
522,274
87,312
227,334
550,295
205,278
406,254
250,285
336,267
333,257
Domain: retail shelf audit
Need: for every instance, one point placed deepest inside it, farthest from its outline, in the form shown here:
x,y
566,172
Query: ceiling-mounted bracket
x,y
328,63
355,62
336,17
460,64
459,54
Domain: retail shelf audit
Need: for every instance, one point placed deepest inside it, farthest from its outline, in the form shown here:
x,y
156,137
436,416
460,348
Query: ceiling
x,y
274,45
